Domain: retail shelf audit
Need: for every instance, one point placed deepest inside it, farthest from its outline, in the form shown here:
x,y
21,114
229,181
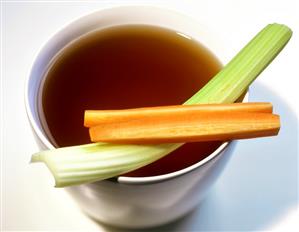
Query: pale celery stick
x,y
93,162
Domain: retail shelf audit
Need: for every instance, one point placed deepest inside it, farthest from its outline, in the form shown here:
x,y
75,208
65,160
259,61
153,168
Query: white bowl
x,y
132,202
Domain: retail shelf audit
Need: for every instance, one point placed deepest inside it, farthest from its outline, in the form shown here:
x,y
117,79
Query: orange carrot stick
x,y
193,127
96,117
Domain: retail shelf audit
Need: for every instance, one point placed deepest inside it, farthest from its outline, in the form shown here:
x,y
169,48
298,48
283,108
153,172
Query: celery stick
x,y
93,162
241,71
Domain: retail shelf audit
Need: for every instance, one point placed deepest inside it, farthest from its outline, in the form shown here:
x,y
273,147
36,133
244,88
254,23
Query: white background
x,y
257,191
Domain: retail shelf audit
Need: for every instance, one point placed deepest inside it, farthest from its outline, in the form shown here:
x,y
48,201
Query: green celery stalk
x,y
98,161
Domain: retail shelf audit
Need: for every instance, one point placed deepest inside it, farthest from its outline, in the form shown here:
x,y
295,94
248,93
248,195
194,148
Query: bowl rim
x,y
39,131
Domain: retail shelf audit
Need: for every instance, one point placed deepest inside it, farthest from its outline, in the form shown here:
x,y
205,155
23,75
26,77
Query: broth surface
x,y
126,67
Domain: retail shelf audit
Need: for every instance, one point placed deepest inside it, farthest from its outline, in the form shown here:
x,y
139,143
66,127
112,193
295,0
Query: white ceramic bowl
x,y
132,202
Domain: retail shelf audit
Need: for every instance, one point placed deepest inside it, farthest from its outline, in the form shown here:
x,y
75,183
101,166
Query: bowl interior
x,y
99,20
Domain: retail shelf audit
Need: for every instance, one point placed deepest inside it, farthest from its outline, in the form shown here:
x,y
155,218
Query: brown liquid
x,y
126,67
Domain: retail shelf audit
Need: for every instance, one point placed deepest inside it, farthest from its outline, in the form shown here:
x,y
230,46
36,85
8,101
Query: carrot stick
x,y
207,126
96,117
